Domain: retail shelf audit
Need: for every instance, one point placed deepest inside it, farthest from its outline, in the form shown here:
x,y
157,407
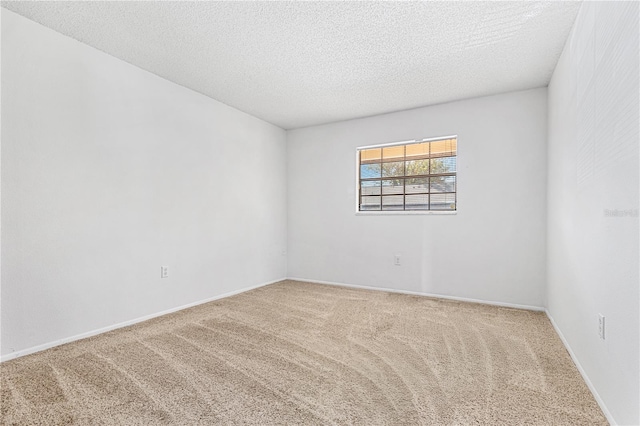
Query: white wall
x,y
109,172
593,167
493,249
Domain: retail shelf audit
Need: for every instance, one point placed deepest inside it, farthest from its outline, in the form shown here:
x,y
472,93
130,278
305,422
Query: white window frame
x,y
402,212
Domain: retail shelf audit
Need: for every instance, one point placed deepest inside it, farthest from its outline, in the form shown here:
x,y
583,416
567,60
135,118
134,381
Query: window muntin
x,y
414,176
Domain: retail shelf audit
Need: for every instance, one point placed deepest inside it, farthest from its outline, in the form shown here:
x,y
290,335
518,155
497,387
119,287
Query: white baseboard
x,y
597,397
592,388
419,293
59,342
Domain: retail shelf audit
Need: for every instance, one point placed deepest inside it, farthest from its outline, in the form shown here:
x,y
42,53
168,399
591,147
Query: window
x,y
410,176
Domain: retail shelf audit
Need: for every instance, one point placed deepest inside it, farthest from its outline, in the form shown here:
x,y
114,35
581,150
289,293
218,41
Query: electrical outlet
x,y
164,271
601,326
396,260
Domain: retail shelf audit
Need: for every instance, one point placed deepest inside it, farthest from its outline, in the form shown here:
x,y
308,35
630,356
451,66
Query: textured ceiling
x,y
297,64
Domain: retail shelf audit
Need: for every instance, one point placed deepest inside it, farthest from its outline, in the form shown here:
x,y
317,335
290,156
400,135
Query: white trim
x,y
419,293
357,168
400,212
59,342
405,212
583,373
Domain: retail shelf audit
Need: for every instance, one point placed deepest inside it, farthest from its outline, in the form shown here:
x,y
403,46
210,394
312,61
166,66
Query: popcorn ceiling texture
x,y
297,64
298,353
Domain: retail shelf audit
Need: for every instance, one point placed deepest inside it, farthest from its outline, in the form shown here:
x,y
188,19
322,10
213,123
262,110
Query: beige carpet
x,y
297,353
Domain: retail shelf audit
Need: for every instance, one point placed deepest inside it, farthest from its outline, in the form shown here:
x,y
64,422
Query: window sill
x,y
405,212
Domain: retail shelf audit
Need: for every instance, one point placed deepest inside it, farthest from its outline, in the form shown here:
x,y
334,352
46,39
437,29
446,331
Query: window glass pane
x,y
418,150
417,167
392,202
416,176
443,202
370,187
443,165
369,171
443,148
416,202
443,184
415,185
393,153
370,203
393,186
393,169
370,155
